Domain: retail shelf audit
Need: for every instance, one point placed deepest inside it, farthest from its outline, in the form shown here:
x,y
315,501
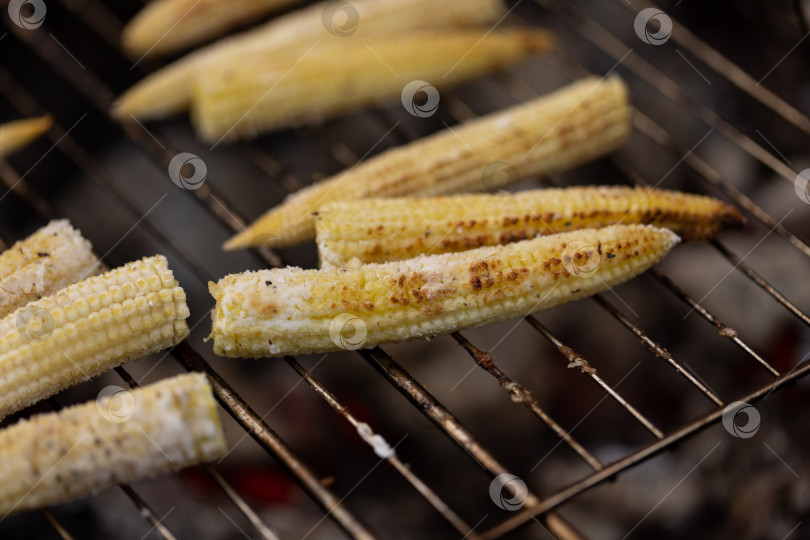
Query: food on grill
x,y
273,91
293,311
17,134
379,230
123,437
50,259
168,91
88,328
168,26
546,136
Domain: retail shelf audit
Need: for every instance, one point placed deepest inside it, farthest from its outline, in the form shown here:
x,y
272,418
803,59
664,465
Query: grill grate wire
x,y
216,203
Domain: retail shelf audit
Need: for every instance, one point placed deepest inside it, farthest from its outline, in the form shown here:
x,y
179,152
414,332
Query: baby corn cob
x,y
125,437
378,230
545,136
88,328
168,26
270,92
17,134
169,90
50,259
294,311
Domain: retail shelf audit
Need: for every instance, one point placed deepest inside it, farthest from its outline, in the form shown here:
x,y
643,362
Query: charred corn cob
x,y
169,90
378,230
14,135
294,311
270,92
123,437
88,328
50,259
545,136
168,26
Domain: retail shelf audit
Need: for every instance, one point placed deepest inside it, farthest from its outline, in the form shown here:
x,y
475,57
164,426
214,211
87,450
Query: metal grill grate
x,y
46,57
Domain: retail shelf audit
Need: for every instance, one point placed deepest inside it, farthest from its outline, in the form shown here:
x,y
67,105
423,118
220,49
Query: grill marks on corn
x,y
380,230
425,296
523,136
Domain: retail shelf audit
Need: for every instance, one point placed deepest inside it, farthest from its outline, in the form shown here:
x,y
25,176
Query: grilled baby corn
x,y
88,328
168,26
274,91
545,136
294,311
14,135
379,230
124,437
169,90
50,259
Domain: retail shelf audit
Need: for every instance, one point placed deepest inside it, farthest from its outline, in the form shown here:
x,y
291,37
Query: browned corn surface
x,y
168,26
378,230
52,258
294,311
169,90
17,134
273,91
546,136
88,328
119,438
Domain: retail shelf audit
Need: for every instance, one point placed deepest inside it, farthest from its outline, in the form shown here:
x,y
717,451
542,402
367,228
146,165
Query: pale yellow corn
x,y
294,311
50,259
546,136
88,328
17,134
271,92
120,438
378,230
168,26
169,90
